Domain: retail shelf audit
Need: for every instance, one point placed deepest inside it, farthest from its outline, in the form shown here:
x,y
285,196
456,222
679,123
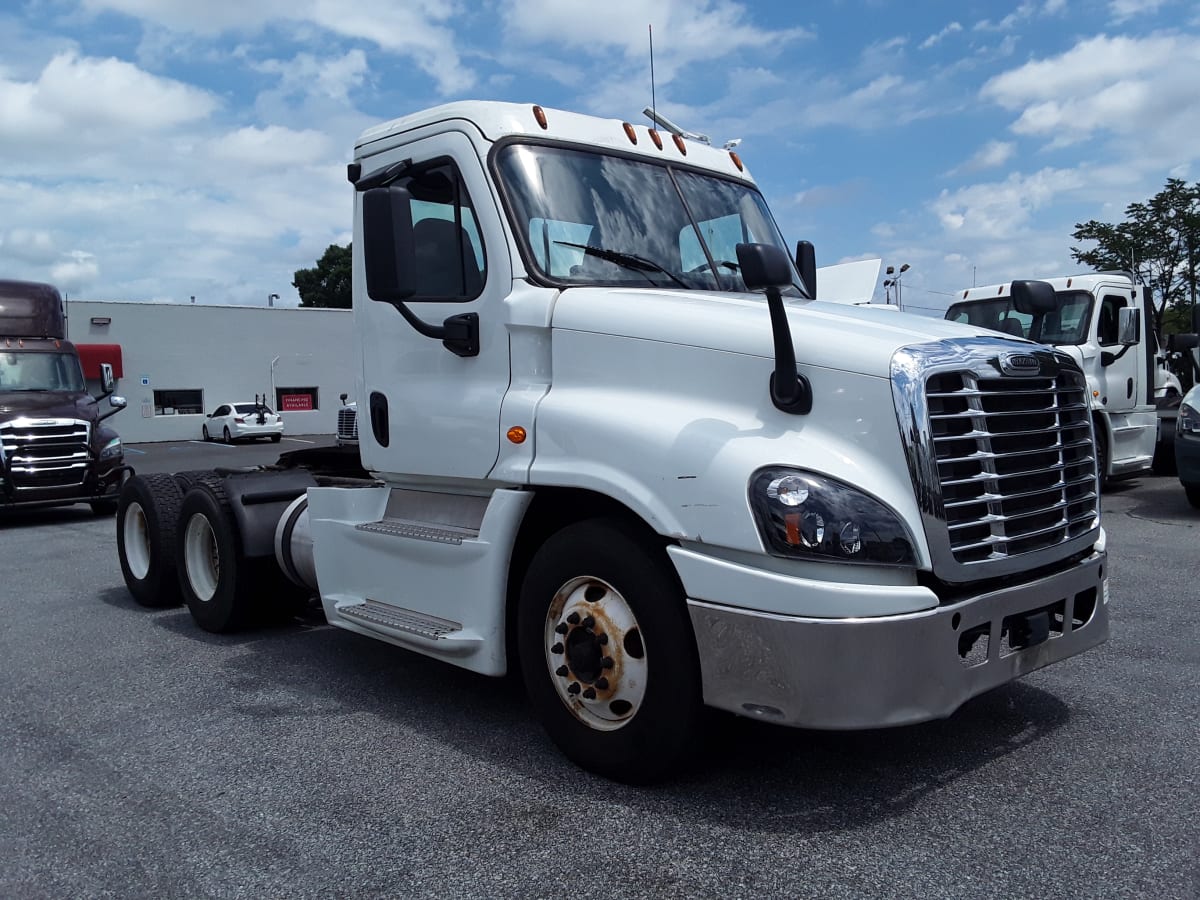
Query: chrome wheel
x,y
595,653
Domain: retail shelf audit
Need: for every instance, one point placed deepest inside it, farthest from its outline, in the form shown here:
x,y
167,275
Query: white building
x,y
175,363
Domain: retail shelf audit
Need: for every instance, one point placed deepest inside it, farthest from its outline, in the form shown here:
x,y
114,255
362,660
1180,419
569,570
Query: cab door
x,y
1123,391
426,410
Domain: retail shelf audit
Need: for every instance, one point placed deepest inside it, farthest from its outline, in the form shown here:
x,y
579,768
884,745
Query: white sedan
x,y
235,421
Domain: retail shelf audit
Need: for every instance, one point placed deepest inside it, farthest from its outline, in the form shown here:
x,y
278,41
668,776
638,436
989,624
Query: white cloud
x,y
1143,87
933,39
1124,10
990,156
414,28
76,272
331,77
273,147
74,94
999,210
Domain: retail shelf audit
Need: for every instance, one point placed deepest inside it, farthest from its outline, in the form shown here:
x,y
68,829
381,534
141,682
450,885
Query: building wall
x,y
225,352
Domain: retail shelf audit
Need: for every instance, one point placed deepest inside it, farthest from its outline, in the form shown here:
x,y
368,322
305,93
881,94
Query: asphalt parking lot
x,y
142,757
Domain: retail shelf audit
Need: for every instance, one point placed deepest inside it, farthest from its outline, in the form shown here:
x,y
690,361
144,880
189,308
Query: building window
x,y
296,399
182,402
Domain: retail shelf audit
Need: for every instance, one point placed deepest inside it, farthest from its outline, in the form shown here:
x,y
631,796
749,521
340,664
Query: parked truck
x,y
612,441
54,449
1104,321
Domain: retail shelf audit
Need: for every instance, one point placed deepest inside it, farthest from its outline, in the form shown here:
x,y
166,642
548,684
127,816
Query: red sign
x,y
295,402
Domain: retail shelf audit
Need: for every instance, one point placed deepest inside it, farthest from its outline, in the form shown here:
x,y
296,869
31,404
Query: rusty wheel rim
x,y
595,653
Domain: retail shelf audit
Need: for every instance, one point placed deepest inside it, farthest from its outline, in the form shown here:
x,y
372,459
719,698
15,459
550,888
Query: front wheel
x,y
227,436
204,432
607,651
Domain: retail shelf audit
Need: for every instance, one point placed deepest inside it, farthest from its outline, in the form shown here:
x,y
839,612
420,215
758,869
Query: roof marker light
x,y
680,144
965,294
1069,280
737,161
540,115
629,132
654,136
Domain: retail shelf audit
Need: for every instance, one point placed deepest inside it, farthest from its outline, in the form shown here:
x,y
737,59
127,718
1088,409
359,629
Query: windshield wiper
x,y
627,260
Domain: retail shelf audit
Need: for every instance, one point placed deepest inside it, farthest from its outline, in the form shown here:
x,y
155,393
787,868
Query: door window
x,y
450,259
1106,325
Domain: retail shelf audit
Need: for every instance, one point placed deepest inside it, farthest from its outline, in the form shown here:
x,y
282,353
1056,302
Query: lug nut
x,y
607,662
562,671
561,628
557,648
602,638
573,618
589,622
573,687
602,683
589,694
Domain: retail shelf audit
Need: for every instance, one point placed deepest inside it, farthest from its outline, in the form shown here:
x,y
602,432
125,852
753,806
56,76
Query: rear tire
x,y
204,432
147,515
275,438
619,696
1193,494
213,576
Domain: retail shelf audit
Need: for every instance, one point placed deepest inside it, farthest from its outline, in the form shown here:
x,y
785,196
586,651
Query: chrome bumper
x,y
899,669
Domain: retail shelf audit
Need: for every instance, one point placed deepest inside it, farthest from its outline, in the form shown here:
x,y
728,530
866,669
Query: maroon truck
x,y
54,449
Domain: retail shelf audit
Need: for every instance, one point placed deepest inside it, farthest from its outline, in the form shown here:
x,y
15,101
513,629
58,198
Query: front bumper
x,y
103,483
853,673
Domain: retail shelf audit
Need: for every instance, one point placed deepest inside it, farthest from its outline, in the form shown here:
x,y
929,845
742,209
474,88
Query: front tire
x,y
607,651
204,433
147,515
227,436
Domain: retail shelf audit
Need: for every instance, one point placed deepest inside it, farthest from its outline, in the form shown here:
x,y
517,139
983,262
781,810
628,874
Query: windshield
x,y
37,371
588,218
1068,324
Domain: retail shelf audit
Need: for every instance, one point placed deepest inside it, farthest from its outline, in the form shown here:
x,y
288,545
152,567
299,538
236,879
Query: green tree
x,y
1159,242
328,283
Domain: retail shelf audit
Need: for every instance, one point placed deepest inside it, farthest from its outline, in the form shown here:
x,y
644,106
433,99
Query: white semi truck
x,y
1103,320
611,441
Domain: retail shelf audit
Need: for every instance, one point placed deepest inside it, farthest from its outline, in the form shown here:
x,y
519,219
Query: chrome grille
x,y
43,453
1002,465
347,423
1014,459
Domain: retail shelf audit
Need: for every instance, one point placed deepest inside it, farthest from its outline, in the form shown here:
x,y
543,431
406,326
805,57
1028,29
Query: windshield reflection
x,y
588,218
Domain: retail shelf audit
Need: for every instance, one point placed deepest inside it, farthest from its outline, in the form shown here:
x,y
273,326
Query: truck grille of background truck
x,y
45,453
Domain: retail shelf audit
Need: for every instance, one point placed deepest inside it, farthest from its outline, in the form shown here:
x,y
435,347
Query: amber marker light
x,y
656,137
737,161
629,132
516,434
680,144
540,115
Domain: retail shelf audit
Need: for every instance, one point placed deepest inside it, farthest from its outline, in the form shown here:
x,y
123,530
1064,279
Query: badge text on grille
x,y
1020,364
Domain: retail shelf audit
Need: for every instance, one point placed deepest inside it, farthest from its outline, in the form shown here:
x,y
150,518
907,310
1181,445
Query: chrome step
x,y
419,531
373,612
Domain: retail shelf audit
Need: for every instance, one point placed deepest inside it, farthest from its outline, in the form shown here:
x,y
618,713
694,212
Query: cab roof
x,y
496,120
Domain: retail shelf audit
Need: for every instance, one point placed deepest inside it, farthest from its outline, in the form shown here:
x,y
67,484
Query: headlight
x,y
1189,417
111,449
810,516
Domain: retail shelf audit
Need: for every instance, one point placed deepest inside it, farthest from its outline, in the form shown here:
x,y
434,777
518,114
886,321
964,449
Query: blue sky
x,y
164,149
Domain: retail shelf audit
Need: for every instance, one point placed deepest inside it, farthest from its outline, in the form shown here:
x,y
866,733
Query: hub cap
x,y
595,654
136,533
201,560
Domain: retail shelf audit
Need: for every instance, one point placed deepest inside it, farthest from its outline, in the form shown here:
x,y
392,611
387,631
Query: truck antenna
x,y
653,101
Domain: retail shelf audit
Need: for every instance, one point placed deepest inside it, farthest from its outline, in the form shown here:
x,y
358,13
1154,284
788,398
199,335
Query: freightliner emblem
x,y
1020,364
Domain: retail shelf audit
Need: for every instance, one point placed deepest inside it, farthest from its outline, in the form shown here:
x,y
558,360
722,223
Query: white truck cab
x,y
614,442
1104,322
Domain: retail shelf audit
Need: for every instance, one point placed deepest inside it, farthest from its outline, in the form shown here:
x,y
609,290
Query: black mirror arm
x,y
790,391
1107,359
458,334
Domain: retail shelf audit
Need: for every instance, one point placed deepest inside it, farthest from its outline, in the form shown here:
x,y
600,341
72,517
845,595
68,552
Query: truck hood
x,y
836,336
47,405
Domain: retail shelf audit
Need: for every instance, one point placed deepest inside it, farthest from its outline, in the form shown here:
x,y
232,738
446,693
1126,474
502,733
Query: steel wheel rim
x,y
201,559
136,534
595,654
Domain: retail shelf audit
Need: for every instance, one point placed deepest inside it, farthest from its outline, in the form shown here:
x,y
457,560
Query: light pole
x,y
271,298
888,283
273,363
